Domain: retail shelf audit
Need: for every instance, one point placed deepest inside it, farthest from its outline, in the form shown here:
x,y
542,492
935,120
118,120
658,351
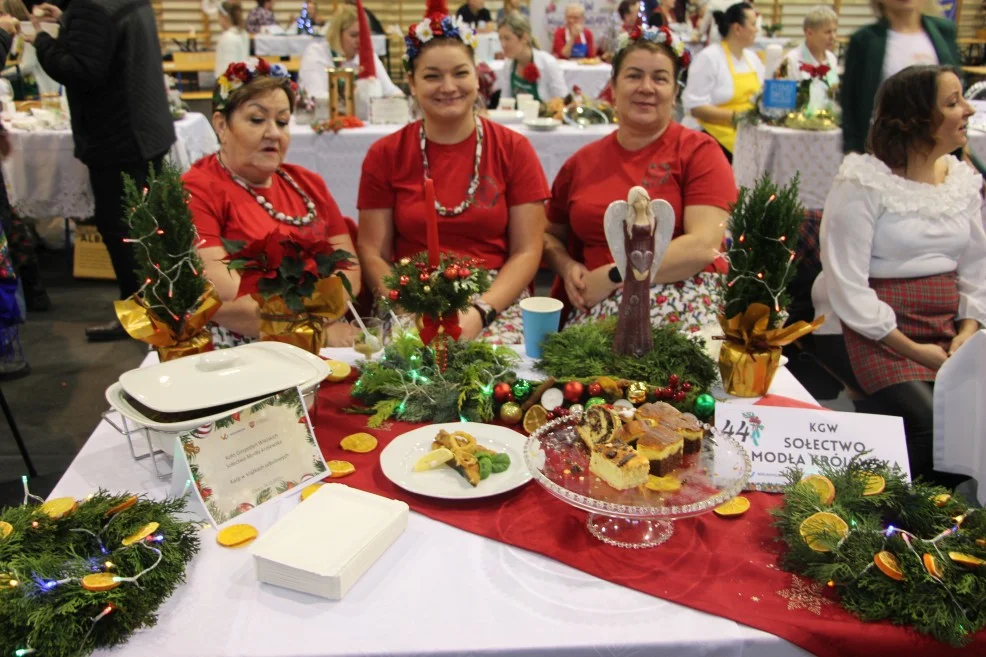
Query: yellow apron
x,y
745,87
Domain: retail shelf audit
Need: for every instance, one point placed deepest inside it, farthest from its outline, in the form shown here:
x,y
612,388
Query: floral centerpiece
x,y
298,282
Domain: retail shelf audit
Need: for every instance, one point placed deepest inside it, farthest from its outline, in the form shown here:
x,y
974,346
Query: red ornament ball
x,y
502,392
451,273
666,393
686,386
394,295
404,280
595,390
423,277
679,396
673,381
573,391
464,272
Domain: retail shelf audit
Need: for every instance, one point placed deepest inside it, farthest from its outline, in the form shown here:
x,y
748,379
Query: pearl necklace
x,y
267,205
473,184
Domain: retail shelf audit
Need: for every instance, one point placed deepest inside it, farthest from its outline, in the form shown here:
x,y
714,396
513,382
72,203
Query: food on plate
x,y
470,459
619,465
598,426
662,448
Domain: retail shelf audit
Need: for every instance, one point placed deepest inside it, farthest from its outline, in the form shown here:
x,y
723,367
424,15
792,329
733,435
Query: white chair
x,y
960,413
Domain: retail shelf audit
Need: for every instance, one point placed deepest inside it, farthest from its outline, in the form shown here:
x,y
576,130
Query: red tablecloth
x,y
727,567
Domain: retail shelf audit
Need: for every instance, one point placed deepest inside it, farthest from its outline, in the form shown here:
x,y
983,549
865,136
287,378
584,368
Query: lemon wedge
x,y
433,459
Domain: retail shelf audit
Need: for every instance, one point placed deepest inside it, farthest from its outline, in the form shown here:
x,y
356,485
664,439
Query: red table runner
x,y
727,567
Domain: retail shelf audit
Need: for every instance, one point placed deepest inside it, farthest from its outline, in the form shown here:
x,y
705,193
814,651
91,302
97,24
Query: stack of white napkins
x,y
325,544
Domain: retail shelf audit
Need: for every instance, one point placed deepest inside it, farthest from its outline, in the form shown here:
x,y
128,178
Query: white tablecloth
x,y
590,78
338,157
44,179
414,600
287,45
782,152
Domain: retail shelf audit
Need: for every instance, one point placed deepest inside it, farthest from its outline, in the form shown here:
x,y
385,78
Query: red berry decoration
x,y
673,381
595,390
573,391
394,295
502,392
561,411
423,277
679,396
667,393
686,386
404,280
464,272
451,273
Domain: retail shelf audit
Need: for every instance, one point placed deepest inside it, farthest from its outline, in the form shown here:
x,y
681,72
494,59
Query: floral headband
x,y
656,35
434,27
240,73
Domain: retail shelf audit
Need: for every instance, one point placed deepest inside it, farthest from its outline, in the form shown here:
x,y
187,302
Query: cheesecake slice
x,y
617,464
663,448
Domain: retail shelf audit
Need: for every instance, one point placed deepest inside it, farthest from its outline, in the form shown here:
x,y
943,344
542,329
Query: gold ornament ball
x,y
637,392
511,413
427,288
405,261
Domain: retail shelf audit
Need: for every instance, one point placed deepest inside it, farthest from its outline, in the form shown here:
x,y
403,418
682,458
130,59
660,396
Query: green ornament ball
x,y
521,388
705,405
593,401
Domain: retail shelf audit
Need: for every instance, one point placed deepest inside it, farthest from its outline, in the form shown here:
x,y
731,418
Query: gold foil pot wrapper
x,y
819,121
145,324
305,330
751,352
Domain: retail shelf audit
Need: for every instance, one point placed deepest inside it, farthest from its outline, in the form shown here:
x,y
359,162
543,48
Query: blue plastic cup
x,y
541,316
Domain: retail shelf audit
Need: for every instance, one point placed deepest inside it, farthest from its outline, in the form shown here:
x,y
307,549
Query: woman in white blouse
x,y
342,43
527,69
904,253
724,78
233,44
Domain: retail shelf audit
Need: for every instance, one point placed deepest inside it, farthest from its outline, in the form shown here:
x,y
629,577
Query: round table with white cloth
x,y
437,591
44,179
293,45
815,155
338,157
590,78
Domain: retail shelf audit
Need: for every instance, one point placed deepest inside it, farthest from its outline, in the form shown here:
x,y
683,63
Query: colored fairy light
x,y
760,274
742,238
890,530
160,232
21,652
35,524
13,583
109,565
487,390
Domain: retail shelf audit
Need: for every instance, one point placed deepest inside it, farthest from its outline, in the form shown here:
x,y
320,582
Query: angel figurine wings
x,y
638,232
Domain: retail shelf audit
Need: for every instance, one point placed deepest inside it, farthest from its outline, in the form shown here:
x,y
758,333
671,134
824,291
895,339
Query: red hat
x,y
367,58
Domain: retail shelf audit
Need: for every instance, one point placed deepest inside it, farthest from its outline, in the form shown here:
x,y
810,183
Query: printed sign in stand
x,y
252,456
781,438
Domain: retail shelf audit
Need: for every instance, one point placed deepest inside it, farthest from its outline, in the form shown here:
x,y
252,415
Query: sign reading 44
x,y
750,427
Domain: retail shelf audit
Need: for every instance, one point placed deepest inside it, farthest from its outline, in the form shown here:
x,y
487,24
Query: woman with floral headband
x,y
684,167
489,186
527,69
246,191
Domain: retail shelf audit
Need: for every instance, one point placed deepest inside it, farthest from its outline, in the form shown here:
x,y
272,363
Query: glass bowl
x,y
637,517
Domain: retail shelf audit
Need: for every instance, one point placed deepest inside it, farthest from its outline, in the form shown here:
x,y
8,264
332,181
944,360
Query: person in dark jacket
x,y
108,57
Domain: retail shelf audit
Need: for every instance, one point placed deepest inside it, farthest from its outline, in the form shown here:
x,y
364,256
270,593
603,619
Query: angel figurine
x,y
638,232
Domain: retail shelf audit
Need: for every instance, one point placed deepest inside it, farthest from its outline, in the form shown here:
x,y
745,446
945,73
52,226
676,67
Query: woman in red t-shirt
x,y
246,191
490,189
685,168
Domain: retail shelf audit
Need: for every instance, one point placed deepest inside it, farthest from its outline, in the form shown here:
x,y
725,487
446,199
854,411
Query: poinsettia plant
x,y
290,266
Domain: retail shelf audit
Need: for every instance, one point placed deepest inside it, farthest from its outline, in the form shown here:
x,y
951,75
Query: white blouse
x,y
318,57
551,84
710,82
880,225
232,46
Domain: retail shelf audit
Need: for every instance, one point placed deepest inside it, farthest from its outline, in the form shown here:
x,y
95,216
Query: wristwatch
x,y
487,313
614,274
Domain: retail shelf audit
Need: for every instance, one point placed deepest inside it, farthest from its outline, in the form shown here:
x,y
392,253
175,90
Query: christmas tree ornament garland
x,y
764,224
91,576
904,552
174,304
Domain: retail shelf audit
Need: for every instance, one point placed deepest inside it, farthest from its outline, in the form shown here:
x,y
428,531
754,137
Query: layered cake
x,y
619,465
632,430
663,448
688,427
656,411
598,426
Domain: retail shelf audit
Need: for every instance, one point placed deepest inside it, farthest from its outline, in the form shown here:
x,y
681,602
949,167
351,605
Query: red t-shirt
x,y
683,167
510,174
221,208
559,43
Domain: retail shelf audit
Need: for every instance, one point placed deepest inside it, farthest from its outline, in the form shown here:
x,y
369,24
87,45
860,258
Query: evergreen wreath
x,y
905,520
44,609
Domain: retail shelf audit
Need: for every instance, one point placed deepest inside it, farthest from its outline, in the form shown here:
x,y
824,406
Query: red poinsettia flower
x,y
239,71
636,33
263,68
531,73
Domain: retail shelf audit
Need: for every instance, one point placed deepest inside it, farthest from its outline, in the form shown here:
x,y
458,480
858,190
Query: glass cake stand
x,y
638,517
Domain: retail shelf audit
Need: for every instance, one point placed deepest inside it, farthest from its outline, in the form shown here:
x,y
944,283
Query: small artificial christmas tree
x,y
304,22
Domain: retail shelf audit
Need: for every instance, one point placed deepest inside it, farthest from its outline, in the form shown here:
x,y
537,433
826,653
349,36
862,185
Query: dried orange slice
x,y
821,485
666,484
338,371
122,506
100,582
966,559
535,418
141,533
874,485
59,507
941,499
818,528
981,541
310,490
888,565
6,529
340,468
236,535
433,459
360,443
931,565
734,507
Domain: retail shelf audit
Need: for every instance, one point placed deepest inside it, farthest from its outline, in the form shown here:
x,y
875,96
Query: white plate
x,y
505,116
545,124
222,377
399,457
